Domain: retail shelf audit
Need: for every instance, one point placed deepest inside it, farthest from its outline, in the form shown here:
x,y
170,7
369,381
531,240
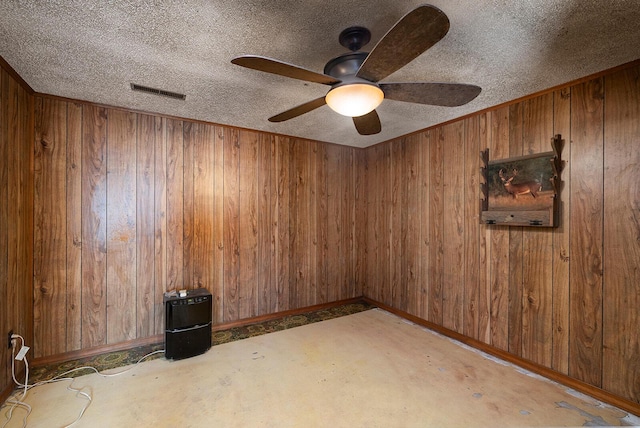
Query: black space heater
x,y
188,323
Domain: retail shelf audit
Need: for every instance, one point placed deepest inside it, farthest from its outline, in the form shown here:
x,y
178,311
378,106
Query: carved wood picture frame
x,y
523,190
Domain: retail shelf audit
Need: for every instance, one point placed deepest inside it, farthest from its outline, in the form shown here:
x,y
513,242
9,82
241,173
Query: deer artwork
x,y
531,187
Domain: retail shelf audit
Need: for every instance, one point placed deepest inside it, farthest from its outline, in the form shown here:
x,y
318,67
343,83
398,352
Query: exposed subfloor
x,y
369,369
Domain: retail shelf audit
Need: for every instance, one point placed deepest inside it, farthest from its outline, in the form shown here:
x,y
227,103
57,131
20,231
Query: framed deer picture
x,y
522,191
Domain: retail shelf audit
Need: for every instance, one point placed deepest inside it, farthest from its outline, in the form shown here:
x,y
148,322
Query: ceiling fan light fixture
x,y
354,99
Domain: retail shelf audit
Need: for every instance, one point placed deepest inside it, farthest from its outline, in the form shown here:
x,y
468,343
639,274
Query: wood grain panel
x,y
174,204
374,211
436,226
145,226
160,221
248,226
499,242
360,221
266,236
283,233
471,228
50,234
121,226
203,244
94,226
190,135
425,221
621,317
300,219
6,314
537,294
560,328
74,227
484,250
413,224
335,224
311,286
538,247
232,225
397,218
516,240
390,208
453,226
585,351
16,216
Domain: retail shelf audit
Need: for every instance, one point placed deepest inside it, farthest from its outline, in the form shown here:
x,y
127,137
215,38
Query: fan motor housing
x,y
345,65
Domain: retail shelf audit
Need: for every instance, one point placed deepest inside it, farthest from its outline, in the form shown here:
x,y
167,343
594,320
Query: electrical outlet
x,y
9,342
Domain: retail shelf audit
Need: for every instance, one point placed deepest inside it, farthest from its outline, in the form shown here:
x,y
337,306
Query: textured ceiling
x,y
93,50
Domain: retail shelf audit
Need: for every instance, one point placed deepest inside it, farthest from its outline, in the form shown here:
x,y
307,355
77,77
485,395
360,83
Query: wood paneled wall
x,y
16,220
129,205
565,298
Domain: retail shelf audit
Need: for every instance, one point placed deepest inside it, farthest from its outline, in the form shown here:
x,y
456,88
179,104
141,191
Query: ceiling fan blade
x,y
413,34
298,110
368,124
435,94
274,66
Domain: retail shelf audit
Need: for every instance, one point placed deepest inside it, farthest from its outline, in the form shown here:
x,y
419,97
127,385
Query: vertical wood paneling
x,y
316,226
283,239
621,313
360,220
334,223
145,226
203,245
585,351
217,287
6,319
471,228
74,227
374,224
537,294
300,218
232,225
259,227
560,327
121,226
453,226
397,218
413,225
94,226
484,244
16,217
436,225
174,205
425,222
160,221
499,242
50,235
248,226
190,135
516,238
6,312
266,238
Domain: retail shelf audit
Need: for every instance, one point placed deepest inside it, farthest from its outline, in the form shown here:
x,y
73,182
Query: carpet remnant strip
x,y
117,359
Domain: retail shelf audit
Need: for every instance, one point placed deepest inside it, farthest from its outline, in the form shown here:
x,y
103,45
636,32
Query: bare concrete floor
x,y
370,369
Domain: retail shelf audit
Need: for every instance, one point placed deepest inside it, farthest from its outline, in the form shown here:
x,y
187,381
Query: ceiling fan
x,y
354,76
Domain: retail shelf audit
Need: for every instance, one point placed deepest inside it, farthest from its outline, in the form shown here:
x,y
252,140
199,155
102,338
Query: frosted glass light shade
x,y
356,99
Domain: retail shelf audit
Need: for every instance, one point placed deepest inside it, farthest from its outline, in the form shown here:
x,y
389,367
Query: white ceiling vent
x,y
161,92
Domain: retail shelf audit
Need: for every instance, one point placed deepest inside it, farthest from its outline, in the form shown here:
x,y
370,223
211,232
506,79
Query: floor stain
x,y
593,421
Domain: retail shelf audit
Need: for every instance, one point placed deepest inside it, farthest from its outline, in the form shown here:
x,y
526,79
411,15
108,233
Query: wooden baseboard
x,y
5,393
97,350
276,315
159,338
585,388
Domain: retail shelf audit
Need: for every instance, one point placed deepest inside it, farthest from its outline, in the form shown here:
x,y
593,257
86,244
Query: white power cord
x,y
79,392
